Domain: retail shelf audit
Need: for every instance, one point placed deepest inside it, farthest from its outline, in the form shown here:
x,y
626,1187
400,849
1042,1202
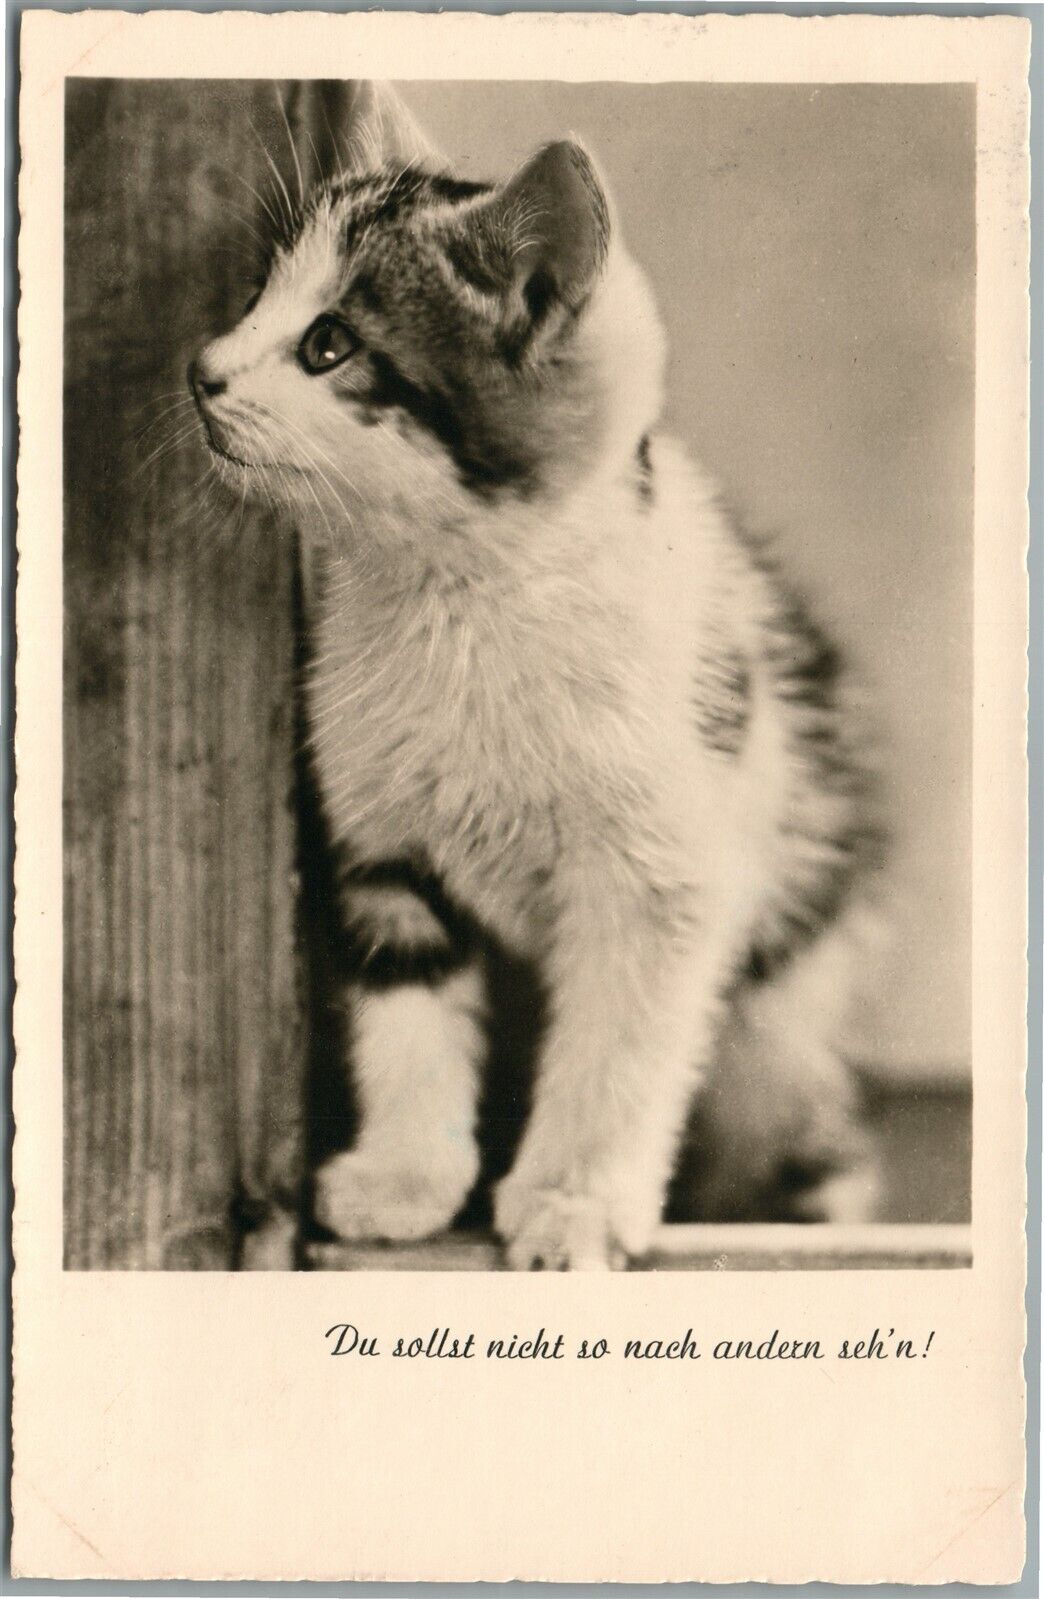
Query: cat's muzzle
x,y
206,388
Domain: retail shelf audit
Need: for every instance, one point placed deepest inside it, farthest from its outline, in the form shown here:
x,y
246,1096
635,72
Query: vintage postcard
x,y
521,821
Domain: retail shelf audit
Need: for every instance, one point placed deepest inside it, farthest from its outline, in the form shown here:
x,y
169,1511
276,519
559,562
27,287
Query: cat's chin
x,y
219,446
228,459
276,472
223,446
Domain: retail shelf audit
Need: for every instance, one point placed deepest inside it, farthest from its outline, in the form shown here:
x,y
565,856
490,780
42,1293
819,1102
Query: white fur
x,y
507,689
417,1052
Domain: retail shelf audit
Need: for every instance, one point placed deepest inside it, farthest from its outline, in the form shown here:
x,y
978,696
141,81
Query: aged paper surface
x,y
176,1424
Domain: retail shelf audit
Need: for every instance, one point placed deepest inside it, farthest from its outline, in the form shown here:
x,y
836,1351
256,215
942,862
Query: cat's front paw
x,y
546,1230
363,1196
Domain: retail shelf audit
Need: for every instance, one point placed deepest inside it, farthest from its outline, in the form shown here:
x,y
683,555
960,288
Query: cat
x,y
555,696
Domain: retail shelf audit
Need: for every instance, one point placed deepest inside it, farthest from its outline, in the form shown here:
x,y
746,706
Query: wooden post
x,y
184,1043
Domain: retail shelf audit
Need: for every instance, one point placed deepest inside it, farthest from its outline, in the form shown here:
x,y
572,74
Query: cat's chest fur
x,y
471,721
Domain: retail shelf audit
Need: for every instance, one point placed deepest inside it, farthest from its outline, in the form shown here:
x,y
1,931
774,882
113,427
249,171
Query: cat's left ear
x,y
556,217
385,132
541,241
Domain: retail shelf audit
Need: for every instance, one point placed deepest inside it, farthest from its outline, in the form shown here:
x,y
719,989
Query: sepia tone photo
x,y
520,935
517,733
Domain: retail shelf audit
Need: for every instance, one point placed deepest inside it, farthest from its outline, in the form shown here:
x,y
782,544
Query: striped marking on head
x,y
462,299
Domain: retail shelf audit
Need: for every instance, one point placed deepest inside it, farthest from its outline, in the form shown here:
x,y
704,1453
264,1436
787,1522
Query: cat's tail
x,y
776,1132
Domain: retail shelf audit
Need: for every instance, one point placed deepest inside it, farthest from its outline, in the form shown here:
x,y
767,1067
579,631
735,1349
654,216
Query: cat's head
x,y
427,343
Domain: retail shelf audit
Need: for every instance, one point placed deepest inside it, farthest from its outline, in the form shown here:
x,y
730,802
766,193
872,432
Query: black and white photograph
x,y
518,603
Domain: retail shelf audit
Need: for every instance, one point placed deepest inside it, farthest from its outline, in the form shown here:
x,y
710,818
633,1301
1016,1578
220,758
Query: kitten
x,y
554,695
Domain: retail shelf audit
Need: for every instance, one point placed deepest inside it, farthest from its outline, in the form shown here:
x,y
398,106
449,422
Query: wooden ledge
x,y
703,1247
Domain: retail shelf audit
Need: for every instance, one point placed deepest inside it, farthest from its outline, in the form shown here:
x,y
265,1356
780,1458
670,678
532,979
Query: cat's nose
x,y
202,383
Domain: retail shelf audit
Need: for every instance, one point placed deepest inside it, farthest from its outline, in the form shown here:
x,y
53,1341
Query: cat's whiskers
x,y
306,479
320,176
270,469
310,450
198,518
315,451
243,474
262,202
287,204
303,468
293,146
368,140
245,221
166,446
335,143
244,478
172,409
179,393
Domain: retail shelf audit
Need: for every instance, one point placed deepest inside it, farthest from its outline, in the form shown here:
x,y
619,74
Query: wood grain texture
x,y
740,1246
184,1040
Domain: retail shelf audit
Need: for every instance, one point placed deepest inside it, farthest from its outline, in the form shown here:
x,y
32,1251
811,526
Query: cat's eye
x,y
326,344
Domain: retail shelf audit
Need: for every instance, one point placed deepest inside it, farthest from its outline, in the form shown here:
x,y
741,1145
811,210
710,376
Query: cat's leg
x,y
635,989
415,995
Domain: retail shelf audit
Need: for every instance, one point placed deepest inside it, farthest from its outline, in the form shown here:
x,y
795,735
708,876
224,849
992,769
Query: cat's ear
x,y
547,230
384,132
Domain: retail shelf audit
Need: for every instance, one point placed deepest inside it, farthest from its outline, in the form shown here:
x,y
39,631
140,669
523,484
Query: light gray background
x,y
812,249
